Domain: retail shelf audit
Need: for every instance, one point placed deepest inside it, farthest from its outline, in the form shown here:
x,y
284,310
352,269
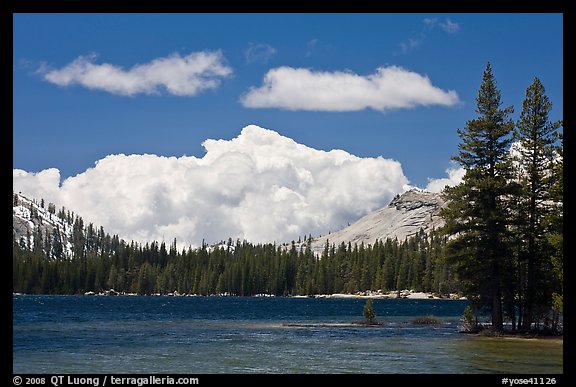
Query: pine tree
x,y
477,211
536,136
555,222
369,312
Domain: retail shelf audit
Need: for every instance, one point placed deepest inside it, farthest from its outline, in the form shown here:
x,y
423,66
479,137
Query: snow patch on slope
x,y
28,215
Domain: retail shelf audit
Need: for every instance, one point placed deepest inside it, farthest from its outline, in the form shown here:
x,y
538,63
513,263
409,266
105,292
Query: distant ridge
x,y
403,217
30,217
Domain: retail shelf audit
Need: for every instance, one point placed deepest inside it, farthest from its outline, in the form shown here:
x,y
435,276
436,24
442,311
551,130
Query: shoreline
x,y
404,294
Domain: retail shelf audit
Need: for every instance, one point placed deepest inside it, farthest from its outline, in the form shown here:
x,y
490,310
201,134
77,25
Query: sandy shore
x,y
408,294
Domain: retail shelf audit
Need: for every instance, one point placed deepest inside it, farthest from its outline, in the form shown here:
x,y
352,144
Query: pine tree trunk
x,y
497,323
531,280
529,299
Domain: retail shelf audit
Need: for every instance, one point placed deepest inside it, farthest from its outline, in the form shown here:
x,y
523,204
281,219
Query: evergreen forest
x,y
101,262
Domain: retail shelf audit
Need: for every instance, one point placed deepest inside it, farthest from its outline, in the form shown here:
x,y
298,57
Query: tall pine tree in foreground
x,y
536,154
477,213
555,222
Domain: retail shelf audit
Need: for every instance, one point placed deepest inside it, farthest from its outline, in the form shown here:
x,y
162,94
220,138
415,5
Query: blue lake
x,y
124,334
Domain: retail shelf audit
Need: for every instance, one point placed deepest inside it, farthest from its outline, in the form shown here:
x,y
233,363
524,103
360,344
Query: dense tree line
x,y
101,262
506,218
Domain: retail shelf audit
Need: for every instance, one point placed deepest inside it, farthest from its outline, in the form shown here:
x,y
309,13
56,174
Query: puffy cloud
x,y
177,75
455,176
42,185
260,52
259,186
302,89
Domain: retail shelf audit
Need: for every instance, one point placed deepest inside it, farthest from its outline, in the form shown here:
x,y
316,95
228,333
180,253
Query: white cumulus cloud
x,y
388,88
178,75
259,186
455,176
44,184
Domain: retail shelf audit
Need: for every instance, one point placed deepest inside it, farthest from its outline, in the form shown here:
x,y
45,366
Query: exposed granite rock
x,y
403,217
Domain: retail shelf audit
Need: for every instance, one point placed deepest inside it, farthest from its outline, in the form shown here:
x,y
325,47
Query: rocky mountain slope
x,y
403,217
31,219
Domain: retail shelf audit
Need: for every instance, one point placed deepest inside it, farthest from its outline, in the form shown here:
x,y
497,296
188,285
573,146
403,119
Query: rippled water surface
x,y
91,334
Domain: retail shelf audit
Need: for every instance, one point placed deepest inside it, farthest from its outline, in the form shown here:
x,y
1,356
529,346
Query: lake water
x,y
91,334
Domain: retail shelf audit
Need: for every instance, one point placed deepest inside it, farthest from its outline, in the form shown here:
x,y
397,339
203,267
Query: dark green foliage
x,y
536,163
555,222
369,312
96,261
470,321
505,218
99,262
477,213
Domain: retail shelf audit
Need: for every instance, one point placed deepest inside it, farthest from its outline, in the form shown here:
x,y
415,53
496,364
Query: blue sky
x,y
71,126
